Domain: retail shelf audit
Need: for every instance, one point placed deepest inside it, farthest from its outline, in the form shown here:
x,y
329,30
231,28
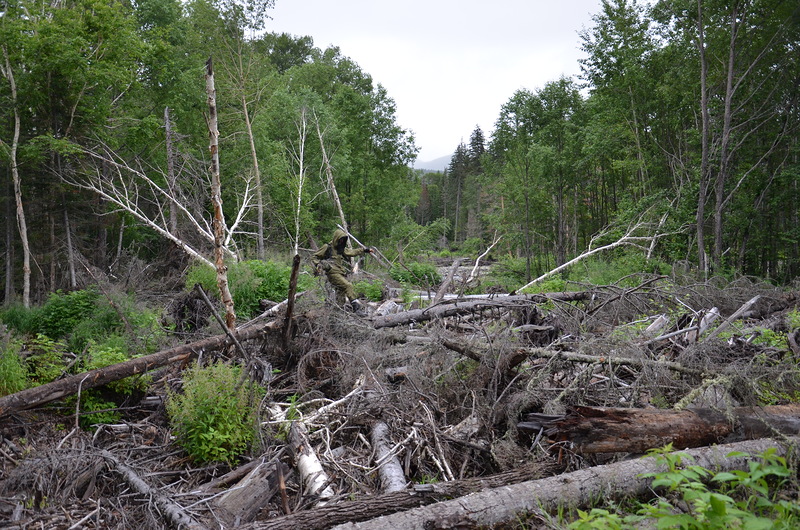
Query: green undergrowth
x,y
249,282
75,332
692,497
214,417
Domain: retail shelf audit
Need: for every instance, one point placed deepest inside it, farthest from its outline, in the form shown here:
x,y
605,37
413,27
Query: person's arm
x,y
319,256
355,252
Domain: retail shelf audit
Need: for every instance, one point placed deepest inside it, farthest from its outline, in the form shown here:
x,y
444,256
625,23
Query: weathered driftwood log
x,y
172,511
611,430
498,506
312,475
373,506
242,502
389,468
40,395
459,307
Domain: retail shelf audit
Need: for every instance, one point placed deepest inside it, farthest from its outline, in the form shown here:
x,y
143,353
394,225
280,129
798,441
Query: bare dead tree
x,y
8,73
216,200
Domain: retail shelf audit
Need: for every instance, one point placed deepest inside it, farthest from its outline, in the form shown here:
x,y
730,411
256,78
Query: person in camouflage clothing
x,y
334,259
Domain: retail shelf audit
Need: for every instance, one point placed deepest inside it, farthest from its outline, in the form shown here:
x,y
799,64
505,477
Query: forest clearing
x,y
589,319
375,422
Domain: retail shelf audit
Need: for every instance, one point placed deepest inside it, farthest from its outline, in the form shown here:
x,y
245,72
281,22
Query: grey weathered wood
x,y
460,307
242,502
498,506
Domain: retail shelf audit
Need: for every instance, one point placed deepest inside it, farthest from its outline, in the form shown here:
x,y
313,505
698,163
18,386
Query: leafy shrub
x,y
62,312
420,274
736,499
214,418
793,319
508,273
113,350
755,505
102,411
79,317
621,267
23,320
46,361
411,239
249,282
13,372
371,290
553,284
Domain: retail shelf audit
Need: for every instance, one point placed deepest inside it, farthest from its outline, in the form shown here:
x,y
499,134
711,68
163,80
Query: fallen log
x,y
373,506
389,468
242,503
460,307
612,430
40,395
312,475
172,511
499,506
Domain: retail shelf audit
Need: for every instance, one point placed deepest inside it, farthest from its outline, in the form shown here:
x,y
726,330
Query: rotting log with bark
x,y
615,430
242,502
460,307
40,395
504,505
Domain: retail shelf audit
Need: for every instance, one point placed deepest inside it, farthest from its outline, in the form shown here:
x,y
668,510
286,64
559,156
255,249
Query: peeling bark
x,y
612,430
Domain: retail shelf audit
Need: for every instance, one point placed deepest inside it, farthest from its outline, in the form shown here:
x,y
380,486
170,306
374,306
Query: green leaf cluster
x,y
416,273
13,370
371,290
215,416
250,282
749,498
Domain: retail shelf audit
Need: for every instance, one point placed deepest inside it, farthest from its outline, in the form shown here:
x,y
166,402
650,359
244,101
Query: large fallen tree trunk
x,y
373,506
498,506
40,395
611,430
460,307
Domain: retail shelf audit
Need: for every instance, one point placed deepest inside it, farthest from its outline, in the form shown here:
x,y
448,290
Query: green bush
x,y
62,312
13,372
736,499
101,410
23,320
114,350
78,317
508,273
420,274
46,360
215,417
249,282
623,267
370,290
553,284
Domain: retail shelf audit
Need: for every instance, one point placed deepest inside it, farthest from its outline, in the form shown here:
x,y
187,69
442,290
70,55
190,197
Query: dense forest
x,y
683,126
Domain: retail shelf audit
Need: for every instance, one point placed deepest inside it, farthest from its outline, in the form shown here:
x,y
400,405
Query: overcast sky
x,y
449,65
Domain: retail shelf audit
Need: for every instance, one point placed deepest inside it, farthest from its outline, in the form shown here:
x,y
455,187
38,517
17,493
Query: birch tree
x,y
8,74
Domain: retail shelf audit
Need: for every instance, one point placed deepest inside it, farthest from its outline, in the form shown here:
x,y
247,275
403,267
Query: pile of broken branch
x,y
469,412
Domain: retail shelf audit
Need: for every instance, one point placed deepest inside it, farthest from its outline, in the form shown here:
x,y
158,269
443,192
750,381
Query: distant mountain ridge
x,y
437,164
